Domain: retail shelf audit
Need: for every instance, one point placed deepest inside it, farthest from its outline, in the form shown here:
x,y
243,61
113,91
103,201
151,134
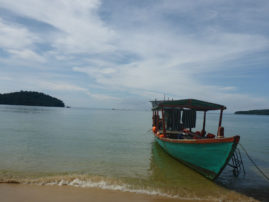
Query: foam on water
x,y
123,187
118,185
101,184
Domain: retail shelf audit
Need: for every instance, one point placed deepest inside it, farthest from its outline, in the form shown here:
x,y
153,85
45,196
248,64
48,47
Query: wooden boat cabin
x,y
175,119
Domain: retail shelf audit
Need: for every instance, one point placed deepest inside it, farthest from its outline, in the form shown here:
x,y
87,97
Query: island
x,y
254,112
30,98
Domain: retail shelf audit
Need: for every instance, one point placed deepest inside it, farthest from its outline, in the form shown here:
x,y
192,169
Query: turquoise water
x,y
114,149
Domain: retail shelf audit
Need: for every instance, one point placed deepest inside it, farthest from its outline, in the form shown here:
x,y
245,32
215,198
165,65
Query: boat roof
x,y
197,105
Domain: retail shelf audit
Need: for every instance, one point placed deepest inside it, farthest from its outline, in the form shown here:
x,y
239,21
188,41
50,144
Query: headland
x,y
30,98
254,112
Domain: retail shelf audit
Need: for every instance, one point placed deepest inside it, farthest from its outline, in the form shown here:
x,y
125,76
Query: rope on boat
x,y
252,161
237,163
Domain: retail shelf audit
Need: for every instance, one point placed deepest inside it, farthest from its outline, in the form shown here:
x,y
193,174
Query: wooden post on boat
x,y
153,118
203,131
220,118
157,119
220,129
164,131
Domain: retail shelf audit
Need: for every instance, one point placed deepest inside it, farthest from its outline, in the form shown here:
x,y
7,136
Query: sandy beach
x,y
26,193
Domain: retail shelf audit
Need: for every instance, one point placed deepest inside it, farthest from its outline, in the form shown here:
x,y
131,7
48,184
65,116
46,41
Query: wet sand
x,y
11,192
26,193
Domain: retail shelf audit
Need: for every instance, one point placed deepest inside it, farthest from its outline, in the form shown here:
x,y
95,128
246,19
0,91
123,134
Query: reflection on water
x,y
252,183
170,170
169,173
27,109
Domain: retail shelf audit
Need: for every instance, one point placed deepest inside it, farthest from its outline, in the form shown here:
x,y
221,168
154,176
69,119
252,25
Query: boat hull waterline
x,y
206,156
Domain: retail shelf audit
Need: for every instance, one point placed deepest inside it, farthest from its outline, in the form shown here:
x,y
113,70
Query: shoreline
x,y
11,192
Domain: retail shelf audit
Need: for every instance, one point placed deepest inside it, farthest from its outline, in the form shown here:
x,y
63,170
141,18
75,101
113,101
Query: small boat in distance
x,y
207,153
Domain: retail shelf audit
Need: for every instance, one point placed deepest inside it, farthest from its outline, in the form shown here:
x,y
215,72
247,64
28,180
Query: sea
x,y
115,150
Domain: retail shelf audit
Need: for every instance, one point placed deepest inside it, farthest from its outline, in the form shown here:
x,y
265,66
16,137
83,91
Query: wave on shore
x,y
119,185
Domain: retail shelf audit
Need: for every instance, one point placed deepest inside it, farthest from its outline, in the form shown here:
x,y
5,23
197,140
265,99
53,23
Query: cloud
x,y
169,61
119,50
103,97
229,88
63,86
18,43
53,85
80,29
27,54
93,71
15,37
59,86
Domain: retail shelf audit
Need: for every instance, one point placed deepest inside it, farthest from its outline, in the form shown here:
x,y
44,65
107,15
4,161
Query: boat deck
x,y
181,135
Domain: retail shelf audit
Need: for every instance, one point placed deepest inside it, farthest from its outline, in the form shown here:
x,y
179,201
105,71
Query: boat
x,y
205,152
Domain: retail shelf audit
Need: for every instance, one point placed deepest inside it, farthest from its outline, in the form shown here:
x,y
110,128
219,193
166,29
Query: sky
x,y
124,53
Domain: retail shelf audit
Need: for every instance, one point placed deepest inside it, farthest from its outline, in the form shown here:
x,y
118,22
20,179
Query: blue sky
x,y
121,54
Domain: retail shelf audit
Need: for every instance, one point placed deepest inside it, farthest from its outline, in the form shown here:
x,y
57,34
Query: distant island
x,y
254,112
30,98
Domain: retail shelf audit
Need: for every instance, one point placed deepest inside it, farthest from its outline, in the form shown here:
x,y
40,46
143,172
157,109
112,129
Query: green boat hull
x,y
208,158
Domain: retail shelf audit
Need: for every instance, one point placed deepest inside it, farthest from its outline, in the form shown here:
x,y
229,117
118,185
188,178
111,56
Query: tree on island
x,y
255,112
30,98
